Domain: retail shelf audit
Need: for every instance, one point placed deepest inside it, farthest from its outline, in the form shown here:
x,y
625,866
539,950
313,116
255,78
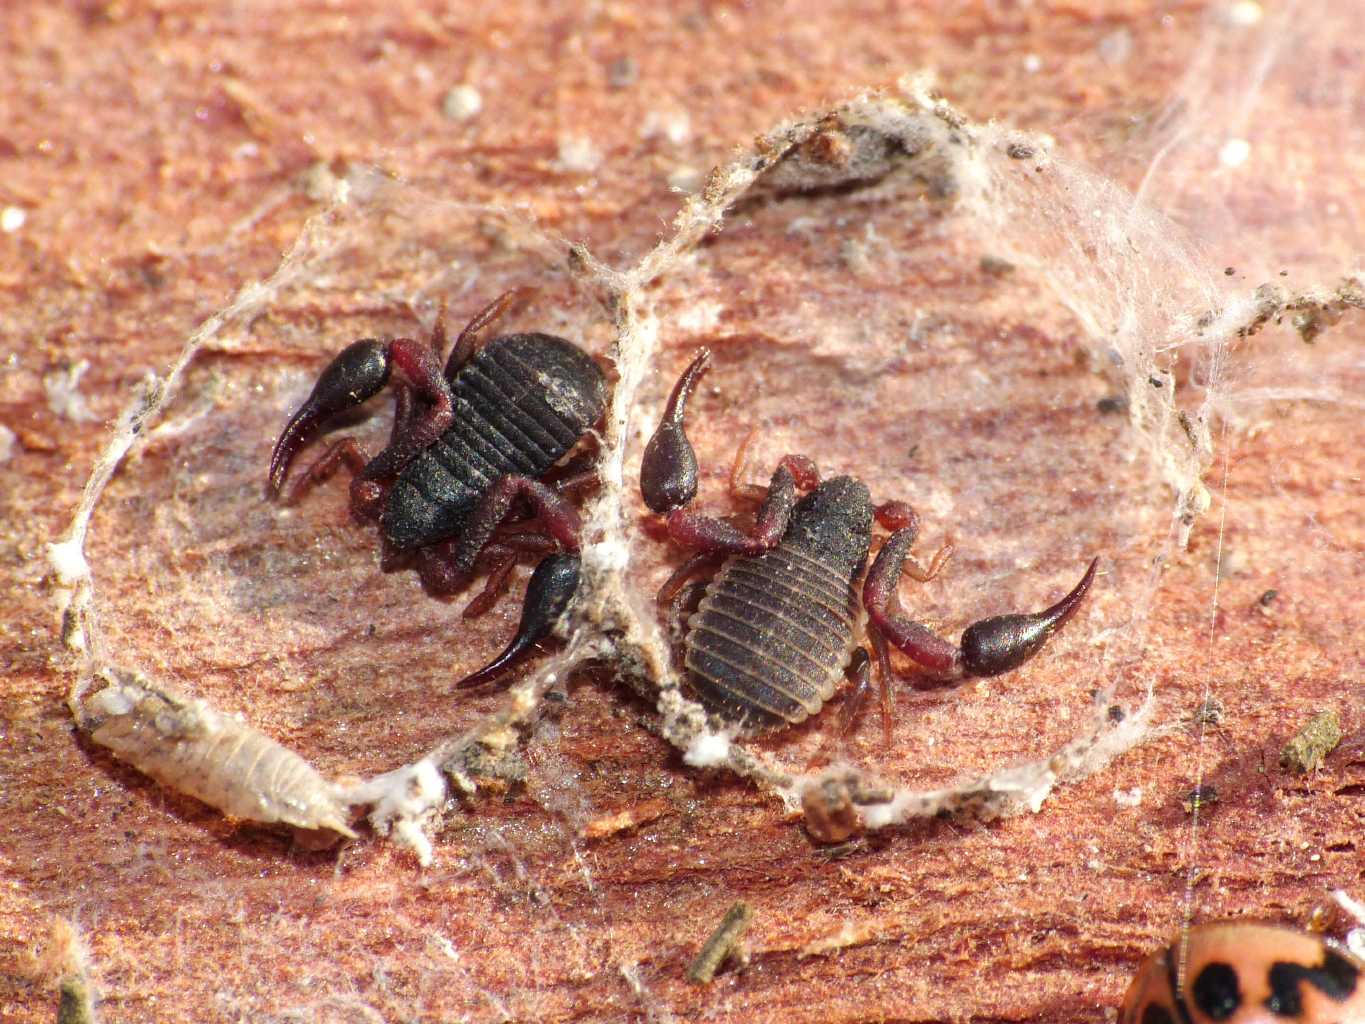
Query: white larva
x,y
192,748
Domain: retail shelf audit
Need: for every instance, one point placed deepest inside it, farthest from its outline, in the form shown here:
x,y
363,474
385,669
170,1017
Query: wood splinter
x,y
723,944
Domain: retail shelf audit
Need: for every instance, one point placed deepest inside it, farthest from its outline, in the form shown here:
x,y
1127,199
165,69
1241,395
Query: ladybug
x,y
1247,974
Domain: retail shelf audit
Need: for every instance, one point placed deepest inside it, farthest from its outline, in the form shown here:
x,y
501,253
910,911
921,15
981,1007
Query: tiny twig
x,y
723,943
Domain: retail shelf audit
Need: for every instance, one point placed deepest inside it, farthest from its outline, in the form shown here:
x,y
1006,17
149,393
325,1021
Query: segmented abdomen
x,y
520,404
771,637
191,747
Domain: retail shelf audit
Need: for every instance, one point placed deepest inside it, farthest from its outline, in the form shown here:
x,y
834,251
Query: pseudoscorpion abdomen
x,y
771,637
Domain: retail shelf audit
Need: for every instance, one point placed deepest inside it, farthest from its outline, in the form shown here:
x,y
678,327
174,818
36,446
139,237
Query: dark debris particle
x,y
842,851
1309,323
1305,752
830,814
1210,712
75,1005
1019,151
1320,918
1111,404
1229,271
622,73
1199,798
71,627
493,768
994,266
831,806
1187,425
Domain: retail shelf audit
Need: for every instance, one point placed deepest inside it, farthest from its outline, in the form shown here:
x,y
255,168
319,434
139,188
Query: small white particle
x,y
63,388
12,218
877,816
685,178
409,833
319,183
1234,152
7,439
462,103
112,700
1355,938
405,800
68,561
607,556
446,947
1245,14
1116,47
709,748
1038,796
1353,907
1033,63
699,316
1355,941
1128,797
673,125
577,153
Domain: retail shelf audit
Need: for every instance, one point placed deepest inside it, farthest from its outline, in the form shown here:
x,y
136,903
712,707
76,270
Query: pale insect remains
x,y
195,749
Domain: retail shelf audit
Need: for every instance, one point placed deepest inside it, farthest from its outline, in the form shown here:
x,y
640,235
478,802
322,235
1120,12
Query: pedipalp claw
x,y
358,372
1003,643
668,470
551,588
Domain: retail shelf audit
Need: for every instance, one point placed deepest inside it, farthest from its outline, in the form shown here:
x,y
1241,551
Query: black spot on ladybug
x,y
1155,1013
1346,973
1216,992
1336,978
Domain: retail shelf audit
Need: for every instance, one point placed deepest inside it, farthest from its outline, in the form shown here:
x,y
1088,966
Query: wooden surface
x,y
160,153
